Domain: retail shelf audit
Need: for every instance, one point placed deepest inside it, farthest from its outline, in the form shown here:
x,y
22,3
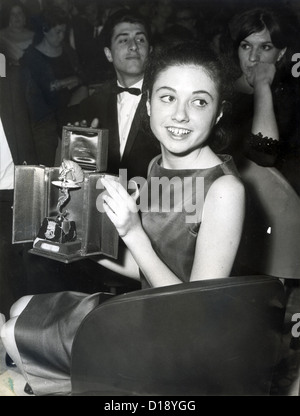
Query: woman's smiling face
x,y
183,109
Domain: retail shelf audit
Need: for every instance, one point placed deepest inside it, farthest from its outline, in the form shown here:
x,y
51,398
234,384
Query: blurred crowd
x,y
60,48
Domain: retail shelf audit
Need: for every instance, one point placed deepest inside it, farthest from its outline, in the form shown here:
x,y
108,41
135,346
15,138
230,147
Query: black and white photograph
x,y
150,200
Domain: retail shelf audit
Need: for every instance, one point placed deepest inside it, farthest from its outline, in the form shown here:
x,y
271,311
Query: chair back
x,y
271,240
211,337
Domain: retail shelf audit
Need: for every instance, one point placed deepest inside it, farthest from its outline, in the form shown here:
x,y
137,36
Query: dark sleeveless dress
x,y
46,328
172,234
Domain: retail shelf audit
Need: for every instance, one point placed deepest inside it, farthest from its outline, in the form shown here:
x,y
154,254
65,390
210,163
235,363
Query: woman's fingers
x,y
95,123
111,203
83,123
120,207
111,215
115,189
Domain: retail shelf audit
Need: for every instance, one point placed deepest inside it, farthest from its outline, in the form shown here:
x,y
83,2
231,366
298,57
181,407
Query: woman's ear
x,y
108,54
281,54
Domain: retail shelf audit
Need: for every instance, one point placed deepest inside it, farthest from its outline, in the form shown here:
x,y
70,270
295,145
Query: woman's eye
x,y
141,40
200,102
244,46
167,98
267,47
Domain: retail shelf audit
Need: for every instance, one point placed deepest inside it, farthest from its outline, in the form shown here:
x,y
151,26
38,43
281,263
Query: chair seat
x,y
214,337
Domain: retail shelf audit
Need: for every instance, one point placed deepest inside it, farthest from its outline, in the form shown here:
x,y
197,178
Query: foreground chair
x,y
214,337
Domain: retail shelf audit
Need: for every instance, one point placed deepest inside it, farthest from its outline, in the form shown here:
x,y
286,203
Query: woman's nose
x,y
180,113
254,55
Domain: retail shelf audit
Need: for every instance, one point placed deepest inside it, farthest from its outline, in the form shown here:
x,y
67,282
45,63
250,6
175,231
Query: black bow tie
x,y
134,91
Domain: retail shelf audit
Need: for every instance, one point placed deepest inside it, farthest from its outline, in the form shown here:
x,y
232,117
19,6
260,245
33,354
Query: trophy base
x,y
64,252
53,230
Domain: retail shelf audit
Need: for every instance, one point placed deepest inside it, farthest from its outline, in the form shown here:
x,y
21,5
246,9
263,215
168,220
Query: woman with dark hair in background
x,y
52,81
265,111
15,37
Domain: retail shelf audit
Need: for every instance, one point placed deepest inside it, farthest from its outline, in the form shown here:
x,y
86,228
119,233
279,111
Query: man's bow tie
x,y
134,91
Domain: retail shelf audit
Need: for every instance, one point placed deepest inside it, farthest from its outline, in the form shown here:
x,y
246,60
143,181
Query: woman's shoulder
x,y
34,58
31,53
28,34
227,188
229,178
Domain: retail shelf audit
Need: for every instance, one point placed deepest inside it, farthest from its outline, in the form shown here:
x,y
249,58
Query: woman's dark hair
x,y
51,17
197,54
189,53
7,8
121,16
281,23
278,22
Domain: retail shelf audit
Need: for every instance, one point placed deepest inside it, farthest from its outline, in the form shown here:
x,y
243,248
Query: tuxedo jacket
x,y
15,118
141,144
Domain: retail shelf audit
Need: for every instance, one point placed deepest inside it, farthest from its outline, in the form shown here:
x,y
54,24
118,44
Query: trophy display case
x,y
60,209
87,147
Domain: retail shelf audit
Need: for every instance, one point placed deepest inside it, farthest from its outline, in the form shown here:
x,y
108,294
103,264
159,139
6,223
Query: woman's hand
x,y
83,123
69,82
121,208
261,74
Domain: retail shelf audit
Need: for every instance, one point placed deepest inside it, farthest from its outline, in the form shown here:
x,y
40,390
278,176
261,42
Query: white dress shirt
x,y
127,105
6,162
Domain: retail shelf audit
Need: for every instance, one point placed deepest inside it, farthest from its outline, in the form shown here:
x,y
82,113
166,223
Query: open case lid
x,y
86,146
30,200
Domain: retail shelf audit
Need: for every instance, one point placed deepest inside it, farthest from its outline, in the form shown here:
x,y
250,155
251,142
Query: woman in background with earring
x,y
265,107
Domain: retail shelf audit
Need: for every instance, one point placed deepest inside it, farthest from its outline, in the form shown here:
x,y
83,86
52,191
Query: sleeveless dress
x,y
45,330
174,229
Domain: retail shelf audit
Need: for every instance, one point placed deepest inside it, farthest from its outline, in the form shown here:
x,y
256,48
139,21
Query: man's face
x,y
129,50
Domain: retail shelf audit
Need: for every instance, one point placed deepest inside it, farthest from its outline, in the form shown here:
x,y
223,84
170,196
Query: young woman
x,y
187,91
265,119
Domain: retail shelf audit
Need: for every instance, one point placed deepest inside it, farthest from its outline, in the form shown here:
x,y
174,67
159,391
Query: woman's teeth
x,y
178,132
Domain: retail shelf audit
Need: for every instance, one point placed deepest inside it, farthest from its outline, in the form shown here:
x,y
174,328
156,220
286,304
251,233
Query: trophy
x,y
59,230
57,208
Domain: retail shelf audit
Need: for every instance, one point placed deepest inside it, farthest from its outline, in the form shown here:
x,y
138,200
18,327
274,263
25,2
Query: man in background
x,y
119,105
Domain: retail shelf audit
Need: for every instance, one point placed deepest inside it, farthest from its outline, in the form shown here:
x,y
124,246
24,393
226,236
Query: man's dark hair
x,y
121,16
